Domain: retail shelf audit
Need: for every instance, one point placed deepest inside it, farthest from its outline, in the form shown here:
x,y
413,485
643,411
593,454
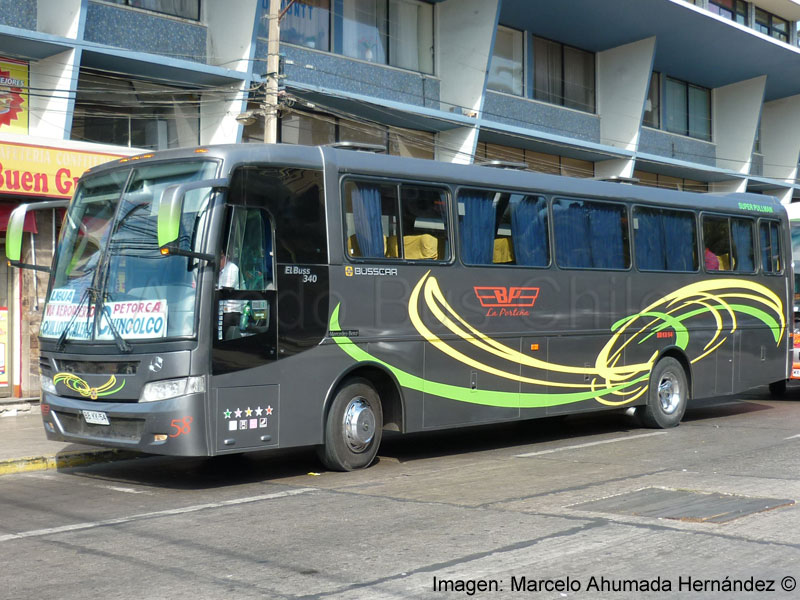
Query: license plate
x,y
95,417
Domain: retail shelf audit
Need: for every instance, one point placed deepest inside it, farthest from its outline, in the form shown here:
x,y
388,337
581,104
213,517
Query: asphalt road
x,y
584,507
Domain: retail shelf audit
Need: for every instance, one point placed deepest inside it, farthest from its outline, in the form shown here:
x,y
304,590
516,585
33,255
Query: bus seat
x,y
503,250
352,246
724,262
423,246
390,247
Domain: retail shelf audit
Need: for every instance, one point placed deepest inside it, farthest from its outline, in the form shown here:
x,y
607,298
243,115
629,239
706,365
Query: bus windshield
x,y
110,279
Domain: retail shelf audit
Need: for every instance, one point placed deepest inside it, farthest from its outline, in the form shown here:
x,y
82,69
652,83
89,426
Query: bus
x,y
793,211
247,297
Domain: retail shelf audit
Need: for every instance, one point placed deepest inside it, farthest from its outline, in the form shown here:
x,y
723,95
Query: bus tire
x,y
777,388
353,427
667,395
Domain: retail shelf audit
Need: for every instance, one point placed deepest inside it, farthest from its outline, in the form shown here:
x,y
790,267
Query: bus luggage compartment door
x,y
246,417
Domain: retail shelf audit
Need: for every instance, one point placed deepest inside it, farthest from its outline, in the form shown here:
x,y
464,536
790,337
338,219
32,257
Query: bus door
x,y
244,332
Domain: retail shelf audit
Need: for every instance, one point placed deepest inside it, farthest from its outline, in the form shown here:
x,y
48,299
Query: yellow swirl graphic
x,y
722,299
80,386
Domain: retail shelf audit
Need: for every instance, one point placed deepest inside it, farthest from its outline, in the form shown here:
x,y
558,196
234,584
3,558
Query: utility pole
x,y
273,66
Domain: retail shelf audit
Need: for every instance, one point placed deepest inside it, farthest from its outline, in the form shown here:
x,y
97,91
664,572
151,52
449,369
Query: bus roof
x,y
346,161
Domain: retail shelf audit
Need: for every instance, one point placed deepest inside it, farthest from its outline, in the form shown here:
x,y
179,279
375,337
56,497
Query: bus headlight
x,y
47,384
172,388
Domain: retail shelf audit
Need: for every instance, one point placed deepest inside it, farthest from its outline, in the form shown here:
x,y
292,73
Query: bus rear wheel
x,y
353,427
667,395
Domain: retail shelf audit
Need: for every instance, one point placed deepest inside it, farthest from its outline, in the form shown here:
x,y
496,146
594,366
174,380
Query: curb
x,y
63,460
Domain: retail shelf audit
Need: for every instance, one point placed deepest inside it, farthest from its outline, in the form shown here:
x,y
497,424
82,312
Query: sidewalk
x,y
24,447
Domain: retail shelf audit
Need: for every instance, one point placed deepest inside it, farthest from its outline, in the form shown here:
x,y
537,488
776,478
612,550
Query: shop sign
x,y
42,171
13,96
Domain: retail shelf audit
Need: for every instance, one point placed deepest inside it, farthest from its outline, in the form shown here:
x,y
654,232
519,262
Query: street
x,y
589,506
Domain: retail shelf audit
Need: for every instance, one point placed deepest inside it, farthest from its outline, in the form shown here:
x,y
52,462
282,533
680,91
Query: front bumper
x,y
174,427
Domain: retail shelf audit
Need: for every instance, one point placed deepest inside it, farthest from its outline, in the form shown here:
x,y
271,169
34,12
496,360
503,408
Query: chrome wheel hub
x,y
669,393
359,424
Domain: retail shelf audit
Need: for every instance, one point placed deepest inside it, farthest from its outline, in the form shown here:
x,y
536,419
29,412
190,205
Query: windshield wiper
x,y
123,345
90,294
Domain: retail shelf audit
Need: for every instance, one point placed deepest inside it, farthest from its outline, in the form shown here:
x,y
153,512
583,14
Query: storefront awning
x,y
5,213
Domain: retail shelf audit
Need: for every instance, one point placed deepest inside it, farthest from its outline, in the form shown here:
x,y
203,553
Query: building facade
x,y
699,95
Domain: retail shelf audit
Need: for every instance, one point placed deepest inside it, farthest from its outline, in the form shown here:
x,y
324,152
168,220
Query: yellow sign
x,y
13,96
42,171
3,346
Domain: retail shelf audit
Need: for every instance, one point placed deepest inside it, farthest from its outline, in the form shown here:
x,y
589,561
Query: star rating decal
x,y
269,410
227,413
237,413
248,412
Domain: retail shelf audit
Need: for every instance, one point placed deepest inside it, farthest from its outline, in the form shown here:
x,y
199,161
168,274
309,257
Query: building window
x,y
505,74
140,114
536,161
316,129
670,183
688,109
187,9
772,25
652,107
305,23
407,44
563,75
735,10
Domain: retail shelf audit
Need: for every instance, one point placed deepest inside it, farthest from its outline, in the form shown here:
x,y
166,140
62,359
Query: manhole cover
x,y
683,505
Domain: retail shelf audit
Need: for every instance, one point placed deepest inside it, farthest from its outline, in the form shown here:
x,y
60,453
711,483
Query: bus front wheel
x,y
353,427
667,395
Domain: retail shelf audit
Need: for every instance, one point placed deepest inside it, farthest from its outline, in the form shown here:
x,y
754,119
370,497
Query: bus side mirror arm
x,y
172,248
170,209
15,229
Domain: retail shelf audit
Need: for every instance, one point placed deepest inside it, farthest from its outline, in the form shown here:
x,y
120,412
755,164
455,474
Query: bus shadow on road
x,y
277,466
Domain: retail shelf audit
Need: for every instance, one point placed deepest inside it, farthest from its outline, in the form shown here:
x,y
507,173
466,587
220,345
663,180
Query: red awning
x,y
5,213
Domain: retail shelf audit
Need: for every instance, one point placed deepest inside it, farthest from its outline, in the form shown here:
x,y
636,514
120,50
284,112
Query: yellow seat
x,y
421,247
503,250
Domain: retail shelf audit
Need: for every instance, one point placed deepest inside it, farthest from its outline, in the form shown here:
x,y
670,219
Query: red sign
x,y
506,297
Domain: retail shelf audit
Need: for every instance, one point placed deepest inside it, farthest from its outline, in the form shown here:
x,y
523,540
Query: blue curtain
x,y
679,241
477,227
367,217
606,239
571,225
529,230
649,238
766,265
742,233
775,248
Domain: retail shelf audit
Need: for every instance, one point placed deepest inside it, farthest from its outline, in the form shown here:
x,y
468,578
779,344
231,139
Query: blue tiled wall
x,y
528,114
18,13
335,72
144,32
661,143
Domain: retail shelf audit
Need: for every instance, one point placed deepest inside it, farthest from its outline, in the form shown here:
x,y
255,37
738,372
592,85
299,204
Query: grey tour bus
x,y
246,297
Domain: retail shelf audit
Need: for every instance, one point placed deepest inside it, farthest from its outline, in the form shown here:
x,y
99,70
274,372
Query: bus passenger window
x,y
503,228
424,223
716,244
371,220
590,235
665,240
769,236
